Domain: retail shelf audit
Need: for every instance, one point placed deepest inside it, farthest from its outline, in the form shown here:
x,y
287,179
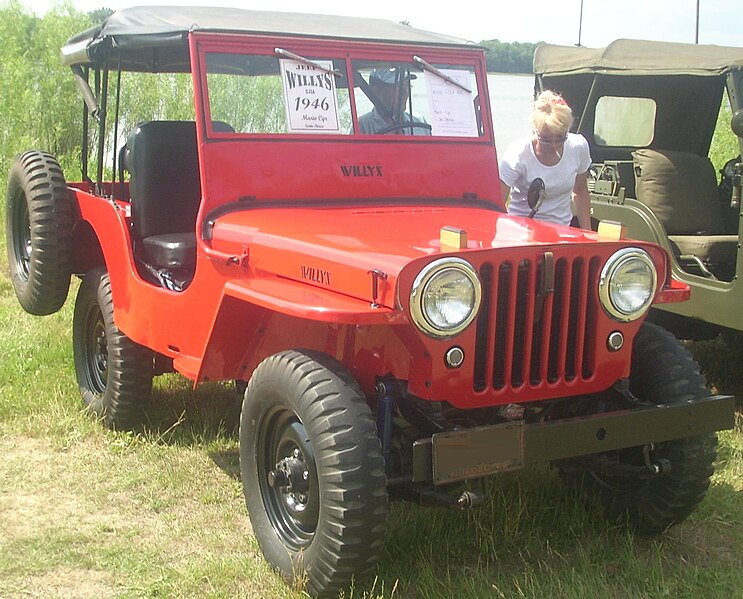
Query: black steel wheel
x,y
662,372
113,372
39,219
312,471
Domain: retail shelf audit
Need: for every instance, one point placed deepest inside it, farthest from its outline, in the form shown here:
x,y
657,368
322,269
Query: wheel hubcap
x,y
291,477
290,474
288,479
22,245
97,352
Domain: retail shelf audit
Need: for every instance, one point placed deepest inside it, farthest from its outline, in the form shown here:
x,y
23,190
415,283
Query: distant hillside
x,y
509,57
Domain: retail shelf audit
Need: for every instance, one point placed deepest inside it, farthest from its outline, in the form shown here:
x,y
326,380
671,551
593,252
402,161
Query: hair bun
x,y
552,113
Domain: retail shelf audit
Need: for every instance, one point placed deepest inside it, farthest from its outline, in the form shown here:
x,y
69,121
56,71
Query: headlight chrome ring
x,y
445,297
628,283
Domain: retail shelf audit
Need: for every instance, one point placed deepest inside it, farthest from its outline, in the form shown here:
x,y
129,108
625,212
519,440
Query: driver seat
x,y
165,187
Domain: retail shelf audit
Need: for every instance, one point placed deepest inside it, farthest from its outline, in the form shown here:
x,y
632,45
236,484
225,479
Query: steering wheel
x,y
398,126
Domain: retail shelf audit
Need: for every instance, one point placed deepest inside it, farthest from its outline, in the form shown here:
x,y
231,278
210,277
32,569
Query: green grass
x,y
86,512
89,513
725,144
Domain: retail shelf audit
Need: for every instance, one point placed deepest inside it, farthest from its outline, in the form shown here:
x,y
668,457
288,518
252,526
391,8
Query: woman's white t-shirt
x,y
519,166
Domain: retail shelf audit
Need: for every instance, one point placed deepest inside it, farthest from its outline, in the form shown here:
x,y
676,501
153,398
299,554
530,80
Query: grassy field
x,y
88,513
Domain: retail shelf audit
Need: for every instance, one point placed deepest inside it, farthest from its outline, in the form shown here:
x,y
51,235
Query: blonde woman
x,y
561,159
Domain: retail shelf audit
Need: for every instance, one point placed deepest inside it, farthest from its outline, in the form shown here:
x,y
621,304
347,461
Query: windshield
x,y
291,94
251,93
404,98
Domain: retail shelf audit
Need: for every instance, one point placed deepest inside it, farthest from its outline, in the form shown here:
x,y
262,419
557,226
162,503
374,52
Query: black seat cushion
x,y
173,251
165,189
165,186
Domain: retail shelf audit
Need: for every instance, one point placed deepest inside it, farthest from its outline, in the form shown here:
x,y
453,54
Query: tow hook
x,y
660,466
466,501
469,500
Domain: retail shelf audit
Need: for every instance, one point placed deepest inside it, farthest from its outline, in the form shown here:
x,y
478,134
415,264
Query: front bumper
x,y
472,453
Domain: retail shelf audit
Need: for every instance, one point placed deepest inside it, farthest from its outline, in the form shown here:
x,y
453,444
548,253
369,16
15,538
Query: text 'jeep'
x,y
342,247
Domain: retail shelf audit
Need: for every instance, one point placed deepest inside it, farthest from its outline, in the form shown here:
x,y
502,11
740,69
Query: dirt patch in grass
x,y
704,543
48,488
65,583
43,501
79,521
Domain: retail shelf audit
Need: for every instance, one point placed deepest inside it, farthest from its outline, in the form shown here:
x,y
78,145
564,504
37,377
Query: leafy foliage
x,y
249,104
99,15
724,142
39,104
505,57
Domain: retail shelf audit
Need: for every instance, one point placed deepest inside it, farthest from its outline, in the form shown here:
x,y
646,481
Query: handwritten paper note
x,y
451,108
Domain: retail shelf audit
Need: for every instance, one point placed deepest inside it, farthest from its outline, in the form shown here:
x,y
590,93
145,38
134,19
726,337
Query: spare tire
x,y
39,219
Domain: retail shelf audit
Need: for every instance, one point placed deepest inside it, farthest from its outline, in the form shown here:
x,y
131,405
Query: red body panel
x,y
285,170
236,313
289,233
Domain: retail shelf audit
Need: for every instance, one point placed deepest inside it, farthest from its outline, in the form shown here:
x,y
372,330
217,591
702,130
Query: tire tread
x,y
349,537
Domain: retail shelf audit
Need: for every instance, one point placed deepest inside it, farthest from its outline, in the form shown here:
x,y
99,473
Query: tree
x,y
99,15
509,57
39,103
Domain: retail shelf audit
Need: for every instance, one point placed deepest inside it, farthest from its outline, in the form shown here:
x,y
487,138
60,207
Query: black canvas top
x,y
153,38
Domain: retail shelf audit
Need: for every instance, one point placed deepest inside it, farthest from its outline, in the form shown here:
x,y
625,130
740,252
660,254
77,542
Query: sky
x,y
552,21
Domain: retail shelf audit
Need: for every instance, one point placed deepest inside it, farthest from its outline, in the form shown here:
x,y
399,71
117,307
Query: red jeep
x,y
329,228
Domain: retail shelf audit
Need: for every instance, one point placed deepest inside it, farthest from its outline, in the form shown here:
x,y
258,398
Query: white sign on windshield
x,y
309,95
452,109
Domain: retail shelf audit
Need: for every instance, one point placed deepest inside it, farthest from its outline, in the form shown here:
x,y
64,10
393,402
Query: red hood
x,y
336,247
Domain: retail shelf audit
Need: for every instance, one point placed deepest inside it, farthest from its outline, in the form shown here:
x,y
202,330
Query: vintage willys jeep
x,y
649,111
342,247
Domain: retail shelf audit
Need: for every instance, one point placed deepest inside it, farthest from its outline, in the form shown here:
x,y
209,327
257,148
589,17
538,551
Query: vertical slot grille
x,y
537,322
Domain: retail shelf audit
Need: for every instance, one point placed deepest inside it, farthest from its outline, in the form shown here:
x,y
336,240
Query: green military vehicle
x,y
649,111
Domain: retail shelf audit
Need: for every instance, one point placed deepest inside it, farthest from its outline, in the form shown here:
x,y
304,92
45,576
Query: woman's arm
x,y
504,191
582,200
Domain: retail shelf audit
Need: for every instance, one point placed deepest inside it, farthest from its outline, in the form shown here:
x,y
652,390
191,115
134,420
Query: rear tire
x,y
113,372
662,372
39,219
312,472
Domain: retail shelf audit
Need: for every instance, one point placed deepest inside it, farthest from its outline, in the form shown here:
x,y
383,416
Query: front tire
x,y
663,372
312,471
113,372
39,219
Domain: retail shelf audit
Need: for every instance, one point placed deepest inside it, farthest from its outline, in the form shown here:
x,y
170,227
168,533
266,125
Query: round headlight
x,y
628,283
445,297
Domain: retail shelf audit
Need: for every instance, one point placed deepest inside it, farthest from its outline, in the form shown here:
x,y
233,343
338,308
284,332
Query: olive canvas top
x,y
637,57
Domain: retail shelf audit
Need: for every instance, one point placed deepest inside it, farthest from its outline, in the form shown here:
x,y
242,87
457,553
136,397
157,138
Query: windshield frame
x,y
345,52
